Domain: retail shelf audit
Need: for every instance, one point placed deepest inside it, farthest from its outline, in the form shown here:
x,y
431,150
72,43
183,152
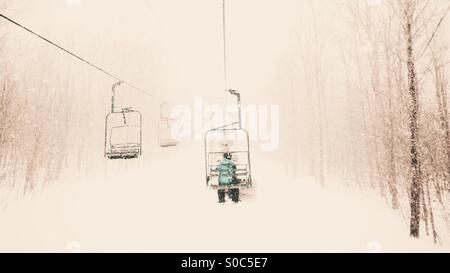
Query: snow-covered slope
x,y
163,205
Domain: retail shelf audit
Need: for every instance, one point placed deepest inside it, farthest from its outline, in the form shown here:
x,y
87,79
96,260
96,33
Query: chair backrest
x,y
165,134
125,135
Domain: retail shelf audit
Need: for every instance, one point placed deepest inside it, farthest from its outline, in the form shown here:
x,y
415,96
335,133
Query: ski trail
x,y
163,205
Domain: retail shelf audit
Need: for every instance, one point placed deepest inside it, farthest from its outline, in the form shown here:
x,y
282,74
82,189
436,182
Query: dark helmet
x,y
227,155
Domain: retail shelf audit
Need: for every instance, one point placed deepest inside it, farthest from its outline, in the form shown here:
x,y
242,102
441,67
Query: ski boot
x,y
221,195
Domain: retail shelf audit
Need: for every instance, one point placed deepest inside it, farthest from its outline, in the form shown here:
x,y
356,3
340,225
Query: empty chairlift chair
x,y
165,136
123,136
123,133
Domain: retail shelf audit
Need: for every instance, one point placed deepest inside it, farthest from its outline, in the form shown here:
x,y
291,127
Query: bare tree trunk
x,y
321,144
391,160
433,227
390,145
441,98
425,212
413,128
32,165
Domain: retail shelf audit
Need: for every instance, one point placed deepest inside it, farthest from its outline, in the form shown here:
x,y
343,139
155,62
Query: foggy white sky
x,y
174,47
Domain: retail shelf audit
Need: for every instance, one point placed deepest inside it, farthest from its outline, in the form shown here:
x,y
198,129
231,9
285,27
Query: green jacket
x,y
227,171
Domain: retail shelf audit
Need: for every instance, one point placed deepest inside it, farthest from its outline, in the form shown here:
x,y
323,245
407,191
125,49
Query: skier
x,y
227,177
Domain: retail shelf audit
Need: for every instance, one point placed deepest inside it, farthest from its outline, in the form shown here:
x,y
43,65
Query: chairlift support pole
x,y
113,97
238,96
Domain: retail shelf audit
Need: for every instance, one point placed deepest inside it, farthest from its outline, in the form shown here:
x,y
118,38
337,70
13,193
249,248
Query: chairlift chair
x,y
165,134
123,132
234,140
238,146
165,129
123,135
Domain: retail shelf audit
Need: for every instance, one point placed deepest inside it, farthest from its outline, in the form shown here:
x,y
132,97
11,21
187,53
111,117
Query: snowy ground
x,y
163,205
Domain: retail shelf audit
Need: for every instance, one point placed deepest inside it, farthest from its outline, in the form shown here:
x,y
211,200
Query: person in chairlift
x,y
227,177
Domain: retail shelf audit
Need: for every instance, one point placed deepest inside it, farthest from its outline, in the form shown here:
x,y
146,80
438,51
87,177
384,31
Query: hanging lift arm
x,y
113,97
238,96
239,122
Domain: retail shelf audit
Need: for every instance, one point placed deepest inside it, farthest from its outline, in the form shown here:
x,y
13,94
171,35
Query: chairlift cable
x,y
78,57
225,126
224,26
